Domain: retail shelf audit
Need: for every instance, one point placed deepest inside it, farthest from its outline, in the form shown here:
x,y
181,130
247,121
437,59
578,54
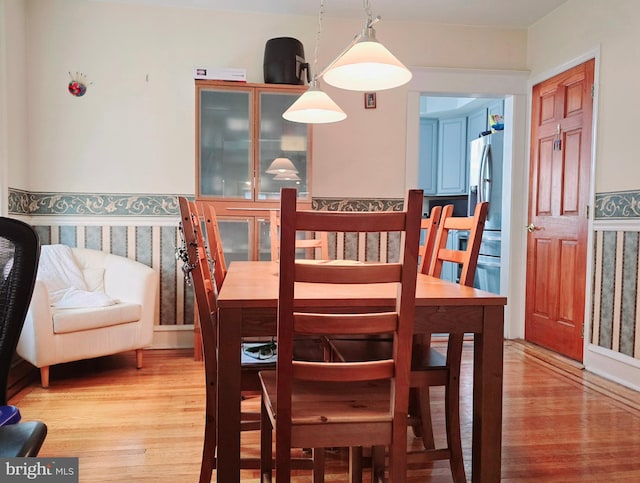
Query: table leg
x,y
229,380
487,397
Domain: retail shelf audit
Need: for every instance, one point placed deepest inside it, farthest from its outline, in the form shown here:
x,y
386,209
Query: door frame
x,y
512,85
541,77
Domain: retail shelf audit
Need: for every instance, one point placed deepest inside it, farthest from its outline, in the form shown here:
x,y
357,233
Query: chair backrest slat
x,y
330,273
344,371
429,227
345,324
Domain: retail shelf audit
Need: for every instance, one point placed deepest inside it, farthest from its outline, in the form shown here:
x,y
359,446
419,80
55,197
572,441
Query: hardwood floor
x,y
560,424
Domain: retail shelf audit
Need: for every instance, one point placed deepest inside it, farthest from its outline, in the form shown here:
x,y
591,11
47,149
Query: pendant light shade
x,y
367,66
281,165
314,107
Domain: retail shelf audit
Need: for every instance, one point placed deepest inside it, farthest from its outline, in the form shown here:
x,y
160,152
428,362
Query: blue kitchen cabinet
x,y
428,156
452,157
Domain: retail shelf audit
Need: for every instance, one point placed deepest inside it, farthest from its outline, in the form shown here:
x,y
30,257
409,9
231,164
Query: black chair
x,y
19,254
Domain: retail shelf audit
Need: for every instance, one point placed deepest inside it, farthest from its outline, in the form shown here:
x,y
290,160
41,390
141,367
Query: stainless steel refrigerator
x,y
485,184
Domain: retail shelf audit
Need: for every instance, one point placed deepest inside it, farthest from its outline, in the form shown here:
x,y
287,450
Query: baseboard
x,y
172,337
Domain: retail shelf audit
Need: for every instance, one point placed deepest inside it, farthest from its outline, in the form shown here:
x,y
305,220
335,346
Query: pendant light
x,y
367,66
364,65
315,106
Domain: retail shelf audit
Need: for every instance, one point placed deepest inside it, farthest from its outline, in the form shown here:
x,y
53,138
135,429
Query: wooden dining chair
x,y
429,228
336,404
319,244
198,267
430,368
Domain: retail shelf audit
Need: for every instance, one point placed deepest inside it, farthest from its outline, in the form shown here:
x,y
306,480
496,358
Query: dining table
x,y
247,307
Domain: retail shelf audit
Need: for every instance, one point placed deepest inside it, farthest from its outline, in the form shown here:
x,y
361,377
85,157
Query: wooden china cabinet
x,y
239,132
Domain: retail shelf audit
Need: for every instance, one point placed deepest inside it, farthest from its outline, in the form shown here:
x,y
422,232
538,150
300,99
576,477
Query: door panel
x,y
541,280
568,266
545,166
560,168
571,190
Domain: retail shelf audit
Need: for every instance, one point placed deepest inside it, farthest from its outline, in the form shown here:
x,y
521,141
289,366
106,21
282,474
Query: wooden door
x,y
559,179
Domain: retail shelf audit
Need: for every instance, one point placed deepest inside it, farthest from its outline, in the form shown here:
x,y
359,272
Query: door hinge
x,y
587,212
582,332
593,91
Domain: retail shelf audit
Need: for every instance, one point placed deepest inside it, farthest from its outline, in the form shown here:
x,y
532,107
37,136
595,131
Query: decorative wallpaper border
x,y
91,204
338,204
617,205
110,204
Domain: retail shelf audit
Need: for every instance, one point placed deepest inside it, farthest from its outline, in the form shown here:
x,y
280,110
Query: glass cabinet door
x,y
225,158
236,236
240,131
280,138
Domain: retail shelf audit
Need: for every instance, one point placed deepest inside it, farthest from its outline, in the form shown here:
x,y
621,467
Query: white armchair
x,y
53,335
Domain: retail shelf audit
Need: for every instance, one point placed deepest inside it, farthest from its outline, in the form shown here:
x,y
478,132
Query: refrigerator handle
x,y
482,179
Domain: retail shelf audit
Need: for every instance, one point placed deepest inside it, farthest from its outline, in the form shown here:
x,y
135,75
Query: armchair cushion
x,y
88,318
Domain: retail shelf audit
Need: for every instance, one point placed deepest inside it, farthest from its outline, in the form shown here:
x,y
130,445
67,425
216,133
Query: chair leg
x,y
377,464
355,464
283,459
139,358
452,401
210,438
266,451
425,421
44,376
318,465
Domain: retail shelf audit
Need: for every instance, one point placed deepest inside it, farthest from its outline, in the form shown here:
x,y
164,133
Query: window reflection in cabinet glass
x,y
235,235
281,139
225,149
264,240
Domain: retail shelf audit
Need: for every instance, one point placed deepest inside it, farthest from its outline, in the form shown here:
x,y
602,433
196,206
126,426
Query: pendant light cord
x,y
317,48
367,8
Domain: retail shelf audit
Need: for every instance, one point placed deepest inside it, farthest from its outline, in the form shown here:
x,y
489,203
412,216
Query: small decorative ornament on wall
x,y
78,84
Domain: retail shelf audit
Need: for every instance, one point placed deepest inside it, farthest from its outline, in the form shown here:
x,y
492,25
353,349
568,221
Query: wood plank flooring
x,y
560,424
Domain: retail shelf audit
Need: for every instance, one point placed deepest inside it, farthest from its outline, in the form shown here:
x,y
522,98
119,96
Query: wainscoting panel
x,y
616,292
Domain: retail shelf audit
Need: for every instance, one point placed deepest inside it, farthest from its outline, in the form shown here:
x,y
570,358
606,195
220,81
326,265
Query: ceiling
x,y
496,13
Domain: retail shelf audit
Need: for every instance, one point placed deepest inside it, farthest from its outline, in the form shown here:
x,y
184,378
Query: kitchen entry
x,y
461,152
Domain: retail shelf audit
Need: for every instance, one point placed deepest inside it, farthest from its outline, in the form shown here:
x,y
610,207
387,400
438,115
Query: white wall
x,y
130,134
579,26
13,98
